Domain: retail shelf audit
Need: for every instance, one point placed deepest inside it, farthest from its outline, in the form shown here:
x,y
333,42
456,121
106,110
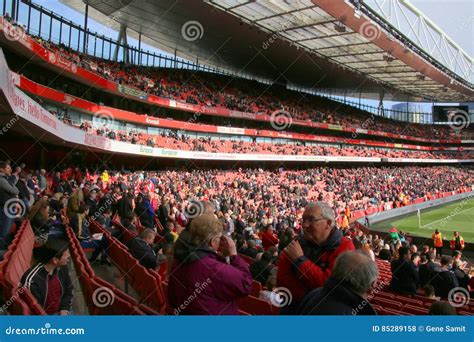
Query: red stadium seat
x,y
257,306
256,288
32,303
122,304
247,259
387,303
408,300
147,283
415,310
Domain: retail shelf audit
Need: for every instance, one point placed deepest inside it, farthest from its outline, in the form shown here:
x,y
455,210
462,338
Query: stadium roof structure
x,y
344,47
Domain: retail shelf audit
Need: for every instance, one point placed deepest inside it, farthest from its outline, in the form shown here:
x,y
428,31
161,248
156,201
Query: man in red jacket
x,y
306,263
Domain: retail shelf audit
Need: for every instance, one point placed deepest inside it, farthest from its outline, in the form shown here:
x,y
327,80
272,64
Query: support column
x,y
140,48
86,36
13,12
126,54
408,117
380,110
118,42
122,40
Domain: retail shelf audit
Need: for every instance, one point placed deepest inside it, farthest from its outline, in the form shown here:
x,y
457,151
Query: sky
x,y
455,17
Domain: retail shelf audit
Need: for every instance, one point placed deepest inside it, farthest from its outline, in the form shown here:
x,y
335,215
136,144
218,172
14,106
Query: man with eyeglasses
x,y
306,263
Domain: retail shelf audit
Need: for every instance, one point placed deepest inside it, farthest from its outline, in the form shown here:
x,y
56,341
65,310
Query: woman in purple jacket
x,y
203,282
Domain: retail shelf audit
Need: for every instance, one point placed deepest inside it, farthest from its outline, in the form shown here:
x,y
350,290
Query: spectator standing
x,y
428,268
8,193
444,280
405,279
306,264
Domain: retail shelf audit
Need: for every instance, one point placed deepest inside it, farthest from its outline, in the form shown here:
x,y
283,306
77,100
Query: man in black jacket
x,y
428,268
404,273
49,281
346,290
142,250
445,280
126,211
163,211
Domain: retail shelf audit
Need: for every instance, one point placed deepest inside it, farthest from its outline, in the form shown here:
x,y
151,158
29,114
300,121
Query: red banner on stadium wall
x,y
121,115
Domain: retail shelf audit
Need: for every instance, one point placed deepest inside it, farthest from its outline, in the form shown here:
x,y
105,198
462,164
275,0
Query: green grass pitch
x,y
456,216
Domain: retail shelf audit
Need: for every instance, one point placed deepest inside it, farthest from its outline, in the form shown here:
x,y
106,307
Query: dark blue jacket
x,y
405,278
335,298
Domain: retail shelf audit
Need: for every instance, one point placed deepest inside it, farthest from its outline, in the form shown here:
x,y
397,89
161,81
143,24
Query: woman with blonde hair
x,y
201,273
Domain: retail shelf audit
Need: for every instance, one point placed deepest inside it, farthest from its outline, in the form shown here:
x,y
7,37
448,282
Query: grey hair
x,y
356,270
146,233
326,211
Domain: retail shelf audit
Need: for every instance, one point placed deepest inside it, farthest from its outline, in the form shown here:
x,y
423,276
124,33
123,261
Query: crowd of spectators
x,y
253,194
215,90
177,140
285,220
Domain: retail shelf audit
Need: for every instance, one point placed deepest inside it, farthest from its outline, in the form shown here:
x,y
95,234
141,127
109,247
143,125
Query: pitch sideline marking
x,y
422,227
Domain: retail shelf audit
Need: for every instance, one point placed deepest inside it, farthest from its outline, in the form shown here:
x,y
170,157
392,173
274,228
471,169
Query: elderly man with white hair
x,y
306,263
347,290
